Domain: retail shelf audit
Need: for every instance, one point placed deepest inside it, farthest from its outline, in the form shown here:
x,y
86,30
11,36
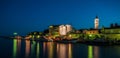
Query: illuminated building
x,y
53,29
64,29
69,28
93,31
91,34
96,22
112,32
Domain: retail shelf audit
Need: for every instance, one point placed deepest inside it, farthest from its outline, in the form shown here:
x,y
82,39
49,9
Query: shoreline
x,y
87,42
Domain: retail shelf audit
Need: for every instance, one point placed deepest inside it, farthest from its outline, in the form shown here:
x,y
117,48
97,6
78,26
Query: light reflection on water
x,y
38,51
96,52
48,47
27,49
64,51
33,49
90,52
14,48
93,52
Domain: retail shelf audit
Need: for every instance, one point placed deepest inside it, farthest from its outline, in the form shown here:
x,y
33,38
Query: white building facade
x,y
96,22
64,29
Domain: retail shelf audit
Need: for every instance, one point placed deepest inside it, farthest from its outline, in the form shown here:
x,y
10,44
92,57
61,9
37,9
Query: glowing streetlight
x,y
15,33
90,35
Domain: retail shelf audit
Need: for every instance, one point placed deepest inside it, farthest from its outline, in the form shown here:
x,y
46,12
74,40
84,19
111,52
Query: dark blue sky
x,y
23,16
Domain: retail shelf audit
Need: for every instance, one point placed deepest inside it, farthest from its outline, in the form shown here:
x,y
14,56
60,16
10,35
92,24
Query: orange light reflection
x,y
27,48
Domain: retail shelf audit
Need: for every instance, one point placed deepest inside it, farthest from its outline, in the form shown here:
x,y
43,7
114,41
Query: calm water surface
x,y
31,49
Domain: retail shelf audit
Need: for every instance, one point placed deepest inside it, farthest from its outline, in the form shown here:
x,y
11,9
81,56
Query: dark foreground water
x,y
31,49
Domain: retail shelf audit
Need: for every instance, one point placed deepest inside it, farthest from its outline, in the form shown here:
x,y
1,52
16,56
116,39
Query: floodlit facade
x,y
94,31
64,29
111,33
69,28
96,22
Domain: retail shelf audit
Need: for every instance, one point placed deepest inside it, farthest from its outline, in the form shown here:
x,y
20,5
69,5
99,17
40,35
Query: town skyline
x,y
78,27
59,28
25,16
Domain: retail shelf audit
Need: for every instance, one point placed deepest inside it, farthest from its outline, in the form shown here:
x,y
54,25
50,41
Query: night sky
x,y
24,16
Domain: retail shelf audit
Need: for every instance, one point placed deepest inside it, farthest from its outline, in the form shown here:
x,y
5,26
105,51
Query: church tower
x,y
96,22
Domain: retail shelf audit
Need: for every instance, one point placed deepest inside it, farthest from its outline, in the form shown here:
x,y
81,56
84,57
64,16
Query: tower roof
x,y
96,16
